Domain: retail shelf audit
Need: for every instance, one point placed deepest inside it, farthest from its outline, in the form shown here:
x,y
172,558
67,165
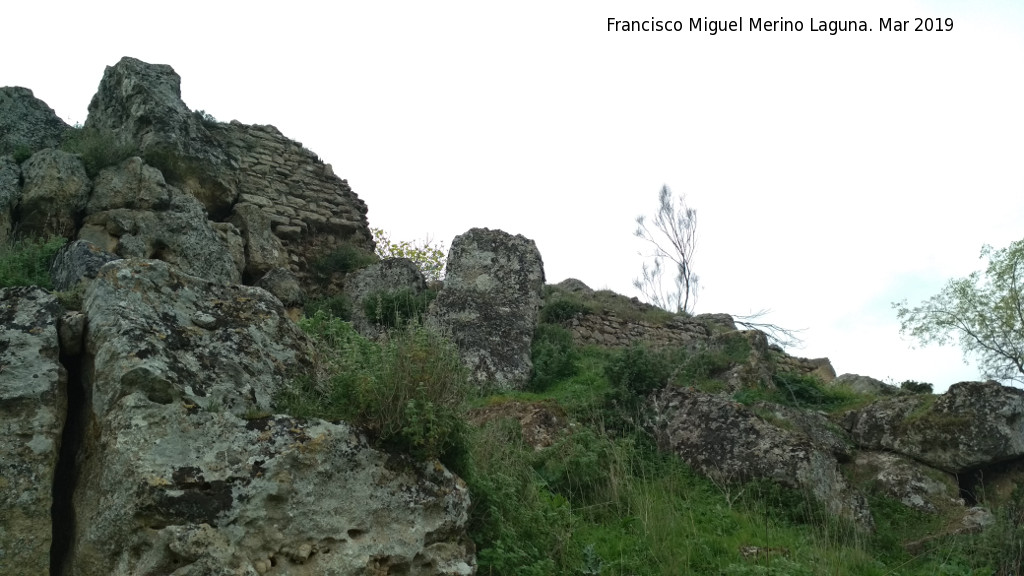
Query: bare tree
x,y
674,238
784,337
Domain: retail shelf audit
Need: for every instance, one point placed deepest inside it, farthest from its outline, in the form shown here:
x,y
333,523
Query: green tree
x,y
985,311
674,237
430,257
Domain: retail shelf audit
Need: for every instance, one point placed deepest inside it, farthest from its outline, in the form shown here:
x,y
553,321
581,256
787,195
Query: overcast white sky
x,y
832,174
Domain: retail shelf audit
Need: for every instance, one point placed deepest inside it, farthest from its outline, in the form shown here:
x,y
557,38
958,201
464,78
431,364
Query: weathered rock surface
x,y
608,329
53,195
912,483
76,262
175,481
973,424
304,205
179,234
731,443
489,304
33,403
865,385
390,275
133,185
284,285
27,123
10,193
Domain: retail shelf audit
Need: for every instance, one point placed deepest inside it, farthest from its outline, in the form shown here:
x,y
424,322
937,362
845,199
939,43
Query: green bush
x,y
98,149
639,369
430,258
553,355
343,259
338,306
27,262
391,308
561,310
21,153
915,387
408,391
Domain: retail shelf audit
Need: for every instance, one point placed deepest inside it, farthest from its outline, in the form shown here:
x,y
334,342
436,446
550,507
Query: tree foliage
x,y
430,257
674,238
985,311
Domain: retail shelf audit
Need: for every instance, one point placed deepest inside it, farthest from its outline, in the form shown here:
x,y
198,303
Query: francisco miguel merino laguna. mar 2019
x,y
833,27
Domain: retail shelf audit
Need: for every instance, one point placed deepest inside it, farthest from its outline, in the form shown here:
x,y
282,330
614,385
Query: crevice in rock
x,y
970,482
62,512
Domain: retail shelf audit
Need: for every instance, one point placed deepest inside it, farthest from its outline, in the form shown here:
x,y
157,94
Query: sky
x,y
832,174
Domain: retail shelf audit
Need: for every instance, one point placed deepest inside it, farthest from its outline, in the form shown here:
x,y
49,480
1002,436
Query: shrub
x,y
915,387
98,149
408,391
21,153
391,308
639,369
430,258
561,310
338,306
343,259
26,262
553,355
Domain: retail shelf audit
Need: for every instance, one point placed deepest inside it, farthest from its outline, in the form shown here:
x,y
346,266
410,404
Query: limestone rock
x,y
308,207
912,483
263,250
866,385
54,194
756,370
76,262
180,235
10,193
284,285
132,184
175,481
730,443
33,404
389,275
718,322
973,424
574,285
159,333
27,123
489,303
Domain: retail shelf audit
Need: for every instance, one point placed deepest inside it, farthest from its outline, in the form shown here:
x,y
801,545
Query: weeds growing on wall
x,y
343,259
26,262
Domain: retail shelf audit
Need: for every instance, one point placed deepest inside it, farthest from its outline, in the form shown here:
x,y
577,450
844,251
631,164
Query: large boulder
x,y
133,213
53,195
184,472
33,404
912,483
865,385
263,250
10,192
489,304
732,444
77,262
27,123
974,424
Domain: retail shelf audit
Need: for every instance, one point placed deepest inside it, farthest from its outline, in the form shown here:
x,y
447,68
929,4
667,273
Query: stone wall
x,y
608,329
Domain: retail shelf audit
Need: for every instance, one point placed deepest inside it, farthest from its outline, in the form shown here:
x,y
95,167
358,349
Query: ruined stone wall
x,y
299,192
608,329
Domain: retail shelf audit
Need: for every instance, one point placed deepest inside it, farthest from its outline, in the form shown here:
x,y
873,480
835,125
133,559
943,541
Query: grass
x,y
603,500
26,262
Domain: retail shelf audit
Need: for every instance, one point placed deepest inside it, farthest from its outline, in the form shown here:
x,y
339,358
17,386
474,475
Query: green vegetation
x,y
392,308
915,387
21,153
343,259
407,390
98,149
428,256
602,499
337,305
984,310
26,262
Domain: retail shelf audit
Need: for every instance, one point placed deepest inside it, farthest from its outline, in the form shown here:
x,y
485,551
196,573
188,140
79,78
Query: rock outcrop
x,y
184,471
973,424
731,444
33,404
489,304
10,192
54,194
27,124
290,207
77,262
